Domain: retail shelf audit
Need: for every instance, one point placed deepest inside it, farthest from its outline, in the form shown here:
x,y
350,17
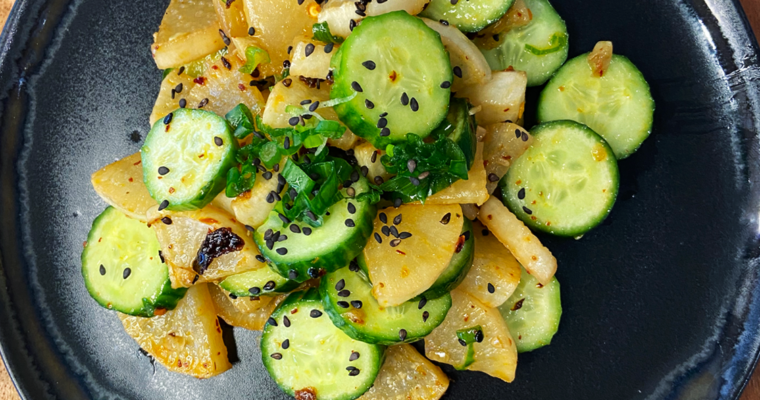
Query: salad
x,y
350,177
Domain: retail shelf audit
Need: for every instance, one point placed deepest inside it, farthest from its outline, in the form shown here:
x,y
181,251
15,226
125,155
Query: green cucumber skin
x,y
208,192
544,105
537,75
516,207
458,268
236,288
432,11
363,335
554,309
351,114
465,127
166,299
337,257
303,298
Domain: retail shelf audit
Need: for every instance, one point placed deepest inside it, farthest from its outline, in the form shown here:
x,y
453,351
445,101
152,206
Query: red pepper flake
x,y
200,80
293,311
167,127
130,179
159,311
241,87
400,252
171,190
138,163
214,67
306,394
460,243
84,244
518,305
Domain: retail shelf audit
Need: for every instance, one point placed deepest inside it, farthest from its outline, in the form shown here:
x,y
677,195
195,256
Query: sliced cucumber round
x,y
533,312
309,358
539,48
347,298
395,95
324,249
258,282
566,183
618,106
459,266
468,16
186,157
123,268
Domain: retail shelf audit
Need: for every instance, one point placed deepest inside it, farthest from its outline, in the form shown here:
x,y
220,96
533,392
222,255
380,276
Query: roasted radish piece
x,y
120,184
189,31
518,16
520,241
311,58
343,15
502,99
187,339
473,337
503,145
407,375
246,312
470,67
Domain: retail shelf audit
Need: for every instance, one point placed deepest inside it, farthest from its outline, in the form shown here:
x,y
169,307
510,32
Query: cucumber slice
x,y
123,268
376,62
460,127
618,106
468,16
310,358
567,181
459,266
186,157
533,312
324,249
538,48
258,282
347,298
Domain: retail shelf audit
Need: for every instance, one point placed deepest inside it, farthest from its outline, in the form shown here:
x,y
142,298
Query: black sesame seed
x,y
354,356
446,85
233,296
386,231
305,102
287,82
394,231
458,72
313,107
446,219
293,274
182,103
218,141
383,218
370,65
306,231
269,285
496,37
378,180
404,235
397,203
370,105
282,251
361,13
422,303
293,121
395,242
351,208
354,372
374,156
356,304
352,25
276,356
295,229
402,334
166,220
268,234
466,235
378,238
178,88
415,181
444,22
329,47
168,118
527,210
365,170
254,291
163,205
260,258
414,105
461,341
385,132
163,170
251,31
353,266
485,232
284,219
425,316
286,321
521,194
161,256
491,289
270,244
181,70
405,99
286,344
340,285
518,133
102,269
350,223
356,86
344,293
397,219
524,137
313,272
454,2
315,313
479,336
309,49
270,197
493,177
226,63
272,321
382,123
195,279
423,175
342,304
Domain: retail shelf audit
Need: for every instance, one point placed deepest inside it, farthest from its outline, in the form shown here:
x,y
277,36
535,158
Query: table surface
x,y
752,392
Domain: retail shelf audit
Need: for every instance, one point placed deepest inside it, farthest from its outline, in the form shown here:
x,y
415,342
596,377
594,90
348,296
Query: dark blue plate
x,y
660,302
